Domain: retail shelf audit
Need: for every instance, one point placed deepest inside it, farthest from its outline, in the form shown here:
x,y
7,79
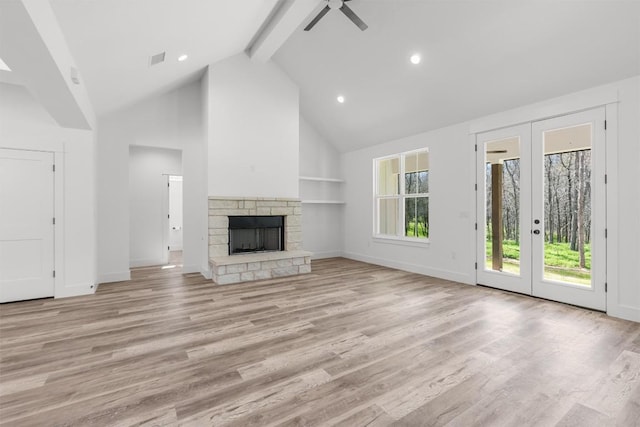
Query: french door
x,y
541,209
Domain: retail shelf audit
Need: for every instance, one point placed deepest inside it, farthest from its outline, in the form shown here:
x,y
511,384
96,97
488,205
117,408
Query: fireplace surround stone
x,y
237,268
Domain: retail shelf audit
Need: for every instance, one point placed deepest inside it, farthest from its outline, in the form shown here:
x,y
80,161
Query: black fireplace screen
x,y
255,234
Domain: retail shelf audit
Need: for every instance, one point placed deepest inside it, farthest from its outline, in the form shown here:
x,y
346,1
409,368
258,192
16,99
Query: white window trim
x,y
401,240
401,196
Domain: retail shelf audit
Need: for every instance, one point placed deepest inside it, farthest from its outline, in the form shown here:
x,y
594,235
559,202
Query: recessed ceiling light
x,y
340,99
182,58
415,58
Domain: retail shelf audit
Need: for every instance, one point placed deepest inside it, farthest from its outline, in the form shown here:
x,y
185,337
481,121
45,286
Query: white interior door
x,y
541,209
26,225
175,213
568,155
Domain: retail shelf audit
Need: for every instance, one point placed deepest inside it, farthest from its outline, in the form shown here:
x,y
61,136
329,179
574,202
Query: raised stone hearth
x,y
227,269
258,266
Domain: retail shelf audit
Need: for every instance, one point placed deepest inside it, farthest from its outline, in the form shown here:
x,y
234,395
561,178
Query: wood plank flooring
x,y
351,344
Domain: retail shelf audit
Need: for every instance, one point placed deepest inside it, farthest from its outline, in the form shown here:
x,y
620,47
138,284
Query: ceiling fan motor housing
x,y
335,4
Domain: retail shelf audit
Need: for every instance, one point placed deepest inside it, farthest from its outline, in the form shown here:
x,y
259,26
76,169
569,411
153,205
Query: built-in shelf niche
x,y
321,190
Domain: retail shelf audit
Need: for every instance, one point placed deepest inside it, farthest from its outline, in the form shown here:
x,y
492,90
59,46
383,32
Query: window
x,y
402,195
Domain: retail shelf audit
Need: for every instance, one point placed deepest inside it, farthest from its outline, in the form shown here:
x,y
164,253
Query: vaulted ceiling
x,y
112,40
478,57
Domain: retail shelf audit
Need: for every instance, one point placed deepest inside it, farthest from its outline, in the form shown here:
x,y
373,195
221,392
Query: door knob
x,y
536,221
536,231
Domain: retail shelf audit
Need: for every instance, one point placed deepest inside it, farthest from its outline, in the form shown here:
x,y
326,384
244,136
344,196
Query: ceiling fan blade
x,y
317,18
354,18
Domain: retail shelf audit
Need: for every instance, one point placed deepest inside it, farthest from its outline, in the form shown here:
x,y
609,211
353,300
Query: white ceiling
x,y
111,41
479,57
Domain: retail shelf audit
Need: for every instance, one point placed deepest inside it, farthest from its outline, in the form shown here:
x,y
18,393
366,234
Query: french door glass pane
x,y
567,205
502,196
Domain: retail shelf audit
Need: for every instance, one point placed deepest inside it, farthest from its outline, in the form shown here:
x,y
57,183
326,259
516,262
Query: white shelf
x,y
323,202
317,178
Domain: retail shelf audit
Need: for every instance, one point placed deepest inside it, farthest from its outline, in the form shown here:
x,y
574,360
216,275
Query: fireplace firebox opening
x,y
250,234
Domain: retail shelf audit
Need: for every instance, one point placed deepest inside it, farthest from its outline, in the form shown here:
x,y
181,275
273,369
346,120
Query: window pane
x,y
410,183
416,210
410,229
411,162
423,161
423,182
388,173
388,216
416,167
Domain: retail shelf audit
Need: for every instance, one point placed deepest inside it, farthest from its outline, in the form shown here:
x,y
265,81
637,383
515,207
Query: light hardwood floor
x,y
350,344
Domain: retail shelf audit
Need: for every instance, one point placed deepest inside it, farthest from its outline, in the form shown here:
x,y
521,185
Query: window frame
x,y
401,197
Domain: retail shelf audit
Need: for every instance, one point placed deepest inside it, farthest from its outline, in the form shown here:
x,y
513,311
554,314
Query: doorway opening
x,y
174,223
149,212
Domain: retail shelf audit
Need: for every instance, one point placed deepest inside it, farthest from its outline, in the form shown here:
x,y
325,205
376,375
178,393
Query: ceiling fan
x,y
340,5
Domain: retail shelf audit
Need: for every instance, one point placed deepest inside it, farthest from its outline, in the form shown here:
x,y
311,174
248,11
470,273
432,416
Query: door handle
x,y
536,231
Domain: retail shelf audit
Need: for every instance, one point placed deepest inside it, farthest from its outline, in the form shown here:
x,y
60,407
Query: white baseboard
x,y
76,290
114,277
187,269
413,268
624,312
135,263
206,272
327,254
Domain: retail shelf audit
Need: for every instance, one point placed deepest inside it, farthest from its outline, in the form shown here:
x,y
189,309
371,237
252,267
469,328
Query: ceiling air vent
x,y
156,59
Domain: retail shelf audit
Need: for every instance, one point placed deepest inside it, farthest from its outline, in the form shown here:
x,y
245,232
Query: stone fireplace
x,y
255,238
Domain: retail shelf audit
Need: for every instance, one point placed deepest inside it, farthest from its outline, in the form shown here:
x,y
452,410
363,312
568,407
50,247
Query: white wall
x,y
24,124
627,303
450,253
112,193
148,202
172,120
322,224
202,194
252,130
